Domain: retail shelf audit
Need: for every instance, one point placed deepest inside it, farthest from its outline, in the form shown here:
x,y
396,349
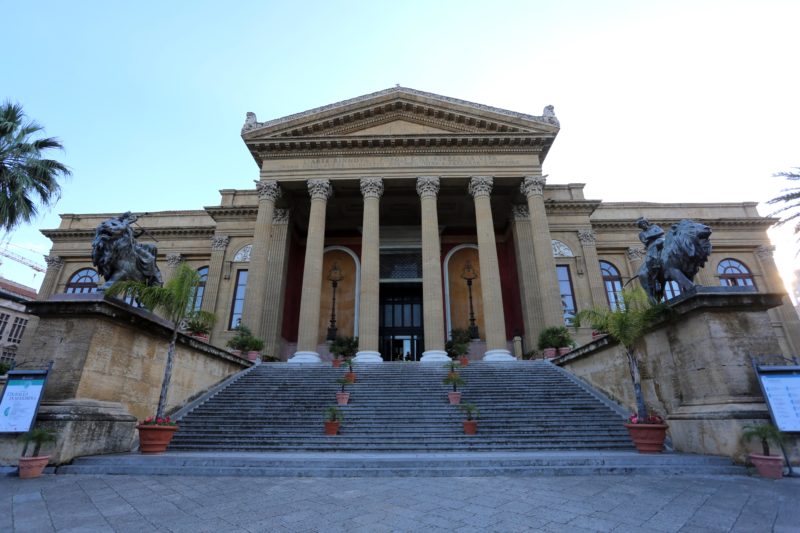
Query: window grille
x,y
17,330
401,265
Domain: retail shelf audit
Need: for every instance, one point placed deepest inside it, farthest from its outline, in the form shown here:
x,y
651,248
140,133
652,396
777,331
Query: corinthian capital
x,y
219,242
587,236
53,262
173,260
268,190
520,212
764,251
280,216
480,186
533,185
319,189
372,187
427,186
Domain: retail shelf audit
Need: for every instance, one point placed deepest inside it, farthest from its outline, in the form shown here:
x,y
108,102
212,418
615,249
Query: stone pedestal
x,y
695,368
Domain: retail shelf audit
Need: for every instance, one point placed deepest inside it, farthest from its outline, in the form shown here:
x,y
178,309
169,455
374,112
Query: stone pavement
x,y
504,504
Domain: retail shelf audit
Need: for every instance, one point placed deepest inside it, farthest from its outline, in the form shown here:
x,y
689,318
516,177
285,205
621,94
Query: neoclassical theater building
x,y
396,216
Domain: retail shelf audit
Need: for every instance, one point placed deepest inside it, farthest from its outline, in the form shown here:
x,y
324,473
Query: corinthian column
x,y
533,188
588,240
54,264
480,187
219,243
372,190
432,310
307,335
254,299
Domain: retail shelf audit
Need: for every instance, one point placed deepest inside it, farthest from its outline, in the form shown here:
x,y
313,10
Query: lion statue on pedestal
x,y
117,255
675,256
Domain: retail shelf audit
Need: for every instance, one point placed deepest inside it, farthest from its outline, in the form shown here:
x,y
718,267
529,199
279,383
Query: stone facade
x,y
401,189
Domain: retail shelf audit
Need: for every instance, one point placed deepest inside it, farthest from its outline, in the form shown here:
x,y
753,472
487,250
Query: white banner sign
x,y
20,402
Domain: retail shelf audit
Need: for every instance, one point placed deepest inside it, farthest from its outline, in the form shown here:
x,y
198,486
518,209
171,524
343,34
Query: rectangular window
x,y
238,299
567,294
17,330
3,322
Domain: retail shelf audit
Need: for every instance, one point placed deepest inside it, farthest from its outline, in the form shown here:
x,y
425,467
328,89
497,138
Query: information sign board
x,y
20,400
782,391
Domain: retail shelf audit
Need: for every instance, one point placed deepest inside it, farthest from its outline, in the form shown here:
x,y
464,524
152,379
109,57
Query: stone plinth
x,y
108,366
695,368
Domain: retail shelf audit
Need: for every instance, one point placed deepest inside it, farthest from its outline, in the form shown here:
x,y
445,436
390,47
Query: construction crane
x,y
22,260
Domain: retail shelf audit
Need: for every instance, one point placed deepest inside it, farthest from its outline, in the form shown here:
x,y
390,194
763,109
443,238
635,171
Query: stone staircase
x,y
402,407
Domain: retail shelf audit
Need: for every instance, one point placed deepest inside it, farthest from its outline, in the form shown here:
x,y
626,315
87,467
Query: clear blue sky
x,y
148,98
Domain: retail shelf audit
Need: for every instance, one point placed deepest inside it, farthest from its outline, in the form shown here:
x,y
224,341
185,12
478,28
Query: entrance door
x,y
401,321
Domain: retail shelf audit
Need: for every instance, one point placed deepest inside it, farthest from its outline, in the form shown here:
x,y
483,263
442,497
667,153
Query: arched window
x,y
84,280
197,298
732,273
671,290
613,284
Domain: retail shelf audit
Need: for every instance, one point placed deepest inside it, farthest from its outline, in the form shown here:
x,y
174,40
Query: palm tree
x,y
173,301
26,178
790,197
627,324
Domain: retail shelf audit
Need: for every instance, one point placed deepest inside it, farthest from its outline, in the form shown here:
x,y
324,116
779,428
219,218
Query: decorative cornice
x,y
371,187
533,185
237,212
578,207
174,259
219,242
764,251
480,186
427,186
587,237
84,234
636,253
714,223
520,212
319,189
268,190
280,216
53,262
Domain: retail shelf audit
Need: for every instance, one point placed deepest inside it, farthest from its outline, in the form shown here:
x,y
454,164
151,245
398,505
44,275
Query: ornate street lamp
x,y
334,276
469,274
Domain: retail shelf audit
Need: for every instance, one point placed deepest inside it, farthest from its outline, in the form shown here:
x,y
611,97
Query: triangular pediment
x,y
399,111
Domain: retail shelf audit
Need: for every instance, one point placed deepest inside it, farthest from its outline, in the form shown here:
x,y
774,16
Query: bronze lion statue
x,y
677,256
117,255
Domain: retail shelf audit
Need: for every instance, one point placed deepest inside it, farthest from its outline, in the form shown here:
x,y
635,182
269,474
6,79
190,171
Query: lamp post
x,y
469,274
334,276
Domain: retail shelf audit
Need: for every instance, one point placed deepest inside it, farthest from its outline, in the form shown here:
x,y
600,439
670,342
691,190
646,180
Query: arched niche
x,y
347,292
455,289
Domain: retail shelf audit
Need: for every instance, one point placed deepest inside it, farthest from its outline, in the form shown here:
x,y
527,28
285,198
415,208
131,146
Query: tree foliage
x,y
789,200
27,177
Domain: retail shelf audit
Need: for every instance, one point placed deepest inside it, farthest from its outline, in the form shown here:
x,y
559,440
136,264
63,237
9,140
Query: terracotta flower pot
x,y
648,438
31,467
454,397
331,428
237,353
769,466
252,356
470,427
342,398
155,439
336,363
549,353
350,376
201,336
564,350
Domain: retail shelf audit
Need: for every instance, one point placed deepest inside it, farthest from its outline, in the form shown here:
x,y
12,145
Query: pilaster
x,y
173,262
50,281
480,187
588,240
219,243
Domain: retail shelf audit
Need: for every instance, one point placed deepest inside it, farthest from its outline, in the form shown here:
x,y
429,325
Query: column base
x,y
434,356
498,355
305,357
367,356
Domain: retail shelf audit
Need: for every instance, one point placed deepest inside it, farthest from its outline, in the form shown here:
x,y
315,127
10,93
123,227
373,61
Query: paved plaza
x,y
552,504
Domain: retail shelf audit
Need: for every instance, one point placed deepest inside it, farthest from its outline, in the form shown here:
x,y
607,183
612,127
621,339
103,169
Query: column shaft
x,y
588,241
491,290
308,334
530,295
219,244
254,301
371,189
277,262
432,308
552,310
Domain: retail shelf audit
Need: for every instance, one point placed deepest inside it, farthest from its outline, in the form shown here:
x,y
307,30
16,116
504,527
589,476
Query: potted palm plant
x,y
244,342
452,367
342,397
555,340
350,374
199,325
343,348
456,381
770,466
333,418
172,302
471,423
628,324
457,347
30,467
